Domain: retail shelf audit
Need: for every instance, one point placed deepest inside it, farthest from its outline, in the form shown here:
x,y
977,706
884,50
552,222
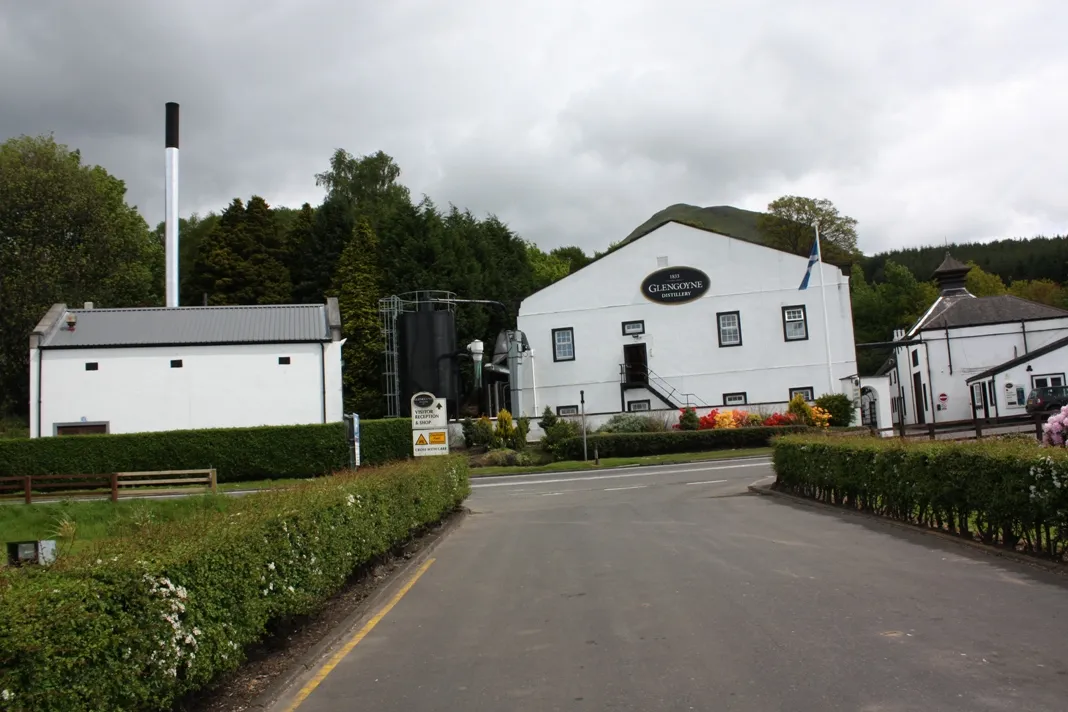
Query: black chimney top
x,y
951,275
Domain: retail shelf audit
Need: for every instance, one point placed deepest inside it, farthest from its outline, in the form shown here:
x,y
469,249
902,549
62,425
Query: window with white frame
x,y
730,328
795,323
638,405
734,399
805,391
1047,381
564,344
567,410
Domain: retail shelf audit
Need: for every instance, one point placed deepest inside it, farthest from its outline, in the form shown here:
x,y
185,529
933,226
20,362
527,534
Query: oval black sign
x,y
675,285
423,400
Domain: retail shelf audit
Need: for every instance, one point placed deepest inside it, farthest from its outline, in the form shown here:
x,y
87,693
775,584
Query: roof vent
x,y
951,275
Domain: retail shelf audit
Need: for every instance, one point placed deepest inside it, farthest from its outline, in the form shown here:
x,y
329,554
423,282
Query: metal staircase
x,y
633,376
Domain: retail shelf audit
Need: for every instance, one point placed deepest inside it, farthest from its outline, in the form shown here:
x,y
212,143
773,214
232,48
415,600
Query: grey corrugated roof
x,y
975,311
189,326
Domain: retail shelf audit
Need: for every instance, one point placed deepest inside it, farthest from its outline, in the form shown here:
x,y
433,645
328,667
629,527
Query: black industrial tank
x,y
428,356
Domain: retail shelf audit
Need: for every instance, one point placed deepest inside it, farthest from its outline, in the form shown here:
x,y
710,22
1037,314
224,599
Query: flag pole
x,y
826,321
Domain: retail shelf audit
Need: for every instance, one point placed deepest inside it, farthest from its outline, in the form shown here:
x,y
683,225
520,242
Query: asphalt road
x,y
670,588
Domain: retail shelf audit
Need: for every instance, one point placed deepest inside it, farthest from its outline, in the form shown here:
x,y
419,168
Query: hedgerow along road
x,y
674,588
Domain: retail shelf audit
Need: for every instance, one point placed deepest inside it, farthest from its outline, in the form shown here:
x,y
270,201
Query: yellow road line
x,y
354,640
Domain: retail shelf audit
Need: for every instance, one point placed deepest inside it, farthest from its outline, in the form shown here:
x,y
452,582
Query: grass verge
x,y
99,519
610,462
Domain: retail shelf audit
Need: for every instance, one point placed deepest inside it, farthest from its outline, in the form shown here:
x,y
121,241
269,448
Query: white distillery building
x,y
179,368
686,316
971,356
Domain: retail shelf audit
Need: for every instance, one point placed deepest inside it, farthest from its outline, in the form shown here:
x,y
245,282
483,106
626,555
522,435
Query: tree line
x,y
68,235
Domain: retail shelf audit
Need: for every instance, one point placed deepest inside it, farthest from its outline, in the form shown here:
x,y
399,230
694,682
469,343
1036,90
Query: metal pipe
x,y
40,366
171,202
533,383
582,404
322,375
949,352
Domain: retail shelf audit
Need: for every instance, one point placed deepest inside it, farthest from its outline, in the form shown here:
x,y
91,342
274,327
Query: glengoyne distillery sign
x,y
675,285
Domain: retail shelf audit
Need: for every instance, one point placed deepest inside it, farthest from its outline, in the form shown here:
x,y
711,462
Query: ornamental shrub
x,y
840,408
820,417
688,419
1055,429
504,433
548,419
478,433
630,423
800,409
780,419
726,419
559,432
136,623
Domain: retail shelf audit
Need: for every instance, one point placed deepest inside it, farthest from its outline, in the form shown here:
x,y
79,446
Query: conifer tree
x,y
357,284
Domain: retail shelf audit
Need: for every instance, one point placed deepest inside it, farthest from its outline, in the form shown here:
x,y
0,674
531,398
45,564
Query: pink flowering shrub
x,y
1055,428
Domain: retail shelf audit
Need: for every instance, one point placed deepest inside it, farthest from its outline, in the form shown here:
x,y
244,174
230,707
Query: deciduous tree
x,y
66,235
984,284
790,221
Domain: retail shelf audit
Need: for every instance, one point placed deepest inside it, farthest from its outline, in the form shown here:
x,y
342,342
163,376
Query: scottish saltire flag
x,y
813,258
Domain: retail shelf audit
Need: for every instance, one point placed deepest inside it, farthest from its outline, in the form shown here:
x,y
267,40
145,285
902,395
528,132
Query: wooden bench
x,y
120,484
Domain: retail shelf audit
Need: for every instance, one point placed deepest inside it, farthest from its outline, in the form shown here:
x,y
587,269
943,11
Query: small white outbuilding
x,y
974,357
180,368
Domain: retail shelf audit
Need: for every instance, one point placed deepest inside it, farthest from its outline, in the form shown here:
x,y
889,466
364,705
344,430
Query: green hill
x,y
722,219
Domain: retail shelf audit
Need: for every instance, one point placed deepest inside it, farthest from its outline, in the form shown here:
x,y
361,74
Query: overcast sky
x,y
572,120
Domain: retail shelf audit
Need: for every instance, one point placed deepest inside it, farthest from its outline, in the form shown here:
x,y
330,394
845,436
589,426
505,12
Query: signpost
x,y
430,425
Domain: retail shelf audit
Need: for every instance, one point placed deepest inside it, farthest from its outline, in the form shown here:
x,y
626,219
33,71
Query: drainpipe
x,y
533,383
1023,330
949,352
930,382
40,365
322,375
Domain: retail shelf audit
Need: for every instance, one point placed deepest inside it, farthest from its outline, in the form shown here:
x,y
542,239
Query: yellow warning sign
x,y
421,440
437,438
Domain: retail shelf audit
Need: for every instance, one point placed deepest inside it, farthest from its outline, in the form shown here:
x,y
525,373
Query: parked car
x,y
1045,400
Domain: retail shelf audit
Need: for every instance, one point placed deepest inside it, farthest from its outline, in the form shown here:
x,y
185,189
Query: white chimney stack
x,y
171,204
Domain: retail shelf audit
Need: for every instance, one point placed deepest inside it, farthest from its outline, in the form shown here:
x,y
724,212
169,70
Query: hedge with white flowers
x,y
1011,493
137,623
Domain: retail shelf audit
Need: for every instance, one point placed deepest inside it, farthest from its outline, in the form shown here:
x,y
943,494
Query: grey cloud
x,y
571,121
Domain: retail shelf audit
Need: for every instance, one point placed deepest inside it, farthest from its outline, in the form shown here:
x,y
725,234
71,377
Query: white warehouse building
x,y
679,315
180,368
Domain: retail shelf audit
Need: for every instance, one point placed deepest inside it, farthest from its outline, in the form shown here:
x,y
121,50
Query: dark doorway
x,y
636,363
917,394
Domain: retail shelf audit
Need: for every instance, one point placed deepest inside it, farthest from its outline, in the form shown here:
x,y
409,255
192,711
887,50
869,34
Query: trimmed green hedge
x,y
236,453
142,621
1007,492
639,444
385,440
